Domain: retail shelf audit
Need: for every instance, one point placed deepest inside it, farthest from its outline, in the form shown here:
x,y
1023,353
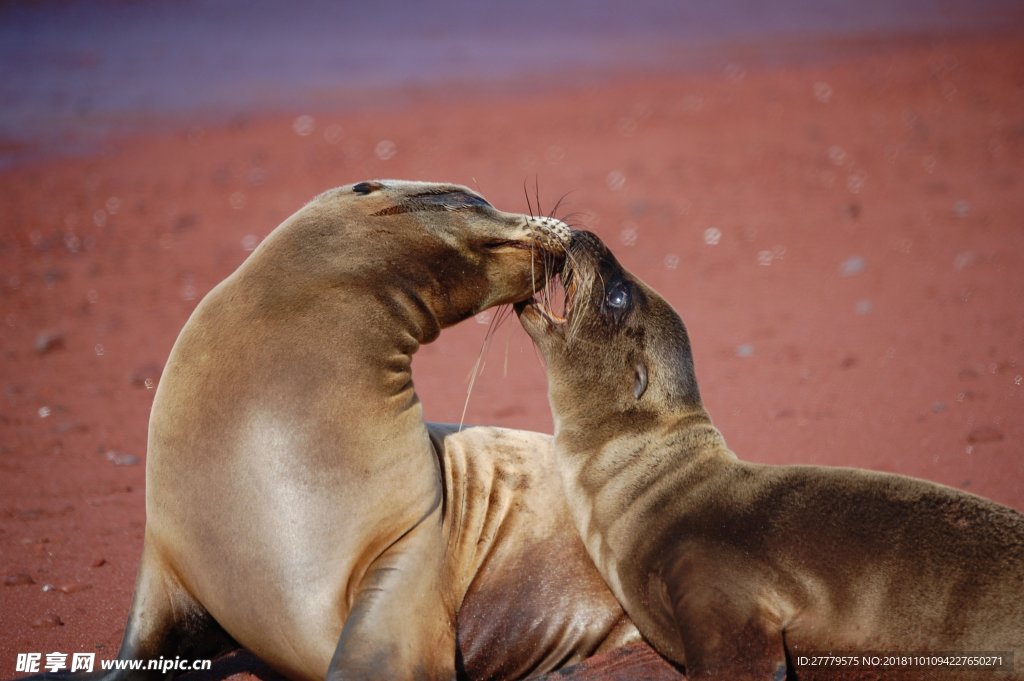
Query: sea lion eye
x,y
450,200
469,200
617,298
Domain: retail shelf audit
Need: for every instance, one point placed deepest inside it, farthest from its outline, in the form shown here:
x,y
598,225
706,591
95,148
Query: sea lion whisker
x,y
548,300
558,203
478,367
570,284
569,218
533,268
504,364
500,315
583,280
529,206
543,296
547,290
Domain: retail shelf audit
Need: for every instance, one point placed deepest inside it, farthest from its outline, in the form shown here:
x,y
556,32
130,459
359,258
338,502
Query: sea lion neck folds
x,y
733,569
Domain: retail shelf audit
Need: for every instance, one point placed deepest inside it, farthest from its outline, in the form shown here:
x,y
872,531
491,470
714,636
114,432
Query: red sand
x,y
844,243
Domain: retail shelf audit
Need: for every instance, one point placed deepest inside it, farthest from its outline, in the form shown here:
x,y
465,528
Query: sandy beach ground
x,y
841,231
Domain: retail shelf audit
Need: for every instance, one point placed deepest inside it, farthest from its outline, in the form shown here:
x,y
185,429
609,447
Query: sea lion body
x,y
530,598
297,504
736,570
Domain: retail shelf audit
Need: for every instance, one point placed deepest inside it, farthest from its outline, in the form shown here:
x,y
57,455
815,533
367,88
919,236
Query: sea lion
x,y
298,506
744,571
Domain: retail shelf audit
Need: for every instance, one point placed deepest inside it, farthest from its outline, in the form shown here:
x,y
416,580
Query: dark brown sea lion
x,y
297,504
744,571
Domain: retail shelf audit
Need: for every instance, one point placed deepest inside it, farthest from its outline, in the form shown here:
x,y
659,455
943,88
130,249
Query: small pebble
x,y
48,620
70,588
122,459
147,376
18,579
863,307
185,221
984,434
964,259
851,266
48,342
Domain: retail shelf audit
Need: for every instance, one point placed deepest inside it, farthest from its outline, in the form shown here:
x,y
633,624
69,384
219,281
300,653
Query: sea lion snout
x,y
550,230
592,283
461,215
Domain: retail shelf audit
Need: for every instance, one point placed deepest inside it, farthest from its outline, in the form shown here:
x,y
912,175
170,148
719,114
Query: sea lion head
x,y
478,255
442,246
617,350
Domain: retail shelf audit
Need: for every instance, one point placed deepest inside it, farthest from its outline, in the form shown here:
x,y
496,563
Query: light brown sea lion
x,y
744,571
298,506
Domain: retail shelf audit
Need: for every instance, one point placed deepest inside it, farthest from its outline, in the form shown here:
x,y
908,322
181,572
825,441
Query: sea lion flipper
x,y
402,585
734,650
166,621
724,623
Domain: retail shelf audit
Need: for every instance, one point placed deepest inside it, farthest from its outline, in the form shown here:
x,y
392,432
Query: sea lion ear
x,y
640,387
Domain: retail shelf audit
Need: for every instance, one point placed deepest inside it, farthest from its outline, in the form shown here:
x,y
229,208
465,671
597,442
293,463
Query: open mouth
x,y
554,301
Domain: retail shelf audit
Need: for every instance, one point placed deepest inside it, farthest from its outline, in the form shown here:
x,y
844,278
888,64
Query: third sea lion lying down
x,y
737,570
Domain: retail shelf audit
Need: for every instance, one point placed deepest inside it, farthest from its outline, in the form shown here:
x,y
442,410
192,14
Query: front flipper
x,y
727,620
402,623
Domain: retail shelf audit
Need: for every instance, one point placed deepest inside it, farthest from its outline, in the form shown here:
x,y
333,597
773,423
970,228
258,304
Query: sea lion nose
x,y
551,227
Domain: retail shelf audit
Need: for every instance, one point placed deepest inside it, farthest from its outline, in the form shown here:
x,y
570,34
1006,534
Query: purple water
x,y
73,71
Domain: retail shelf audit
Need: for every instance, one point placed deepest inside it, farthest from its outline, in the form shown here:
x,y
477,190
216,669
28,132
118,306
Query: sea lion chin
x,y
736,570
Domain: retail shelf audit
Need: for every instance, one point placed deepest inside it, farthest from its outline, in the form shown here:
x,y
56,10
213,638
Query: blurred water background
x,y
75,72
